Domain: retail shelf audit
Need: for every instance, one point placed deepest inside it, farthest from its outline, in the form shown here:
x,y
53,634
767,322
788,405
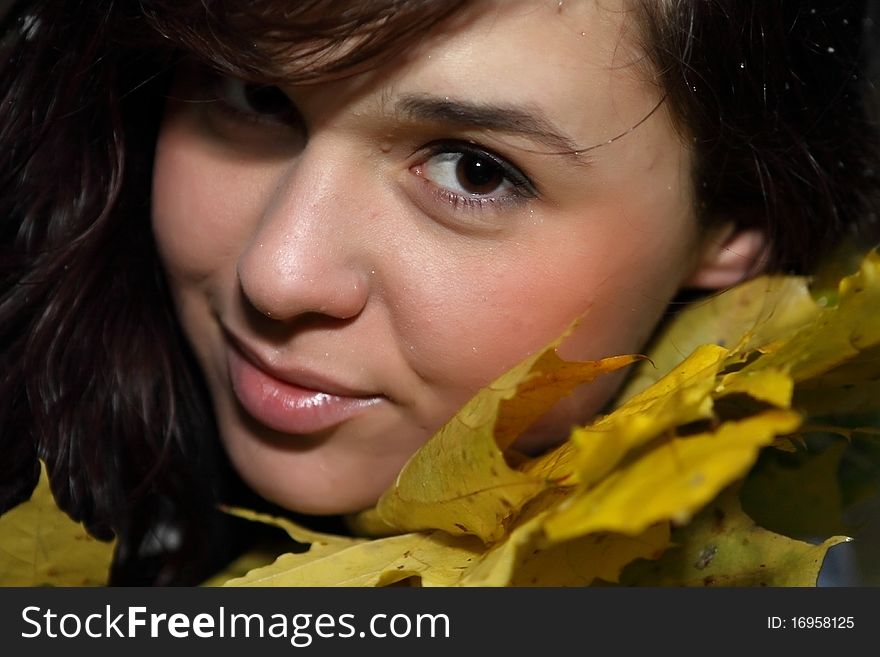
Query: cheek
x,y
205,202
472,321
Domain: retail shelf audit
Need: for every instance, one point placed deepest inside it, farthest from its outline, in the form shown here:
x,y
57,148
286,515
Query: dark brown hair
x,y
95,376
772,98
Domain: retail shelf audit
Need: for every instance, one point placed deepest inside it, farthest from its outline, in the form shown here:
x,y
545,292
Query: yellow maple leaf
x,y
837,335
680,397
790,494
435,558
672,480
41,546
460,481
741,319
768,385
724,547
529,557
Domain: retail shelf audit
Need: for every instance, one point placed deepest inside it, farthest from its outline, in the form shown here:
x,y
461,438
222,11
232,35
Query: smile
x,y
289,404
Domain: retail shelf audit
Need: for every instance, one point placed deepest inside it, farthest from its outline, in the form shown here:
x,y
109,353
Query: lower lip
x,y
286,407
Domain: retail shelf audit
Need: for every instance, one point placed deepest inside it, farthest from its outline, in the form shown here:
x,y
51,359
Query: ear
x,y
728,256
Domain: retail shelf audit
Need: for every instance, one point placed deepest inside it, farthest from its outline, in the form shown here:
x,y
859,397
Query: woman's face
x,y
353,260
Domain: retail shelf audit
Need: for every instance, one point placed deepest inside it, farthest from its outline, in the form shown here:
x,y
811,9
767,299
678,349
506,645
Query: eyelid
x,y
519,179
215,83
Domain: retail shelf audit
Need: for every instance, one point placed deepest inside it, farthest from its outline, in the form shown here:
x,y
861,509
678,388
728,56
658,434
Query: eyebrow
x,y
527,122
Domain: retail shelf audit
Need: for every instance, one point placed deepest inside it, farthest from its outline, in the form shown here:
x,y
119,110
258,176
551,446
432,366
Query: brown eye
x,y
255,102
478,175
464,170
266,100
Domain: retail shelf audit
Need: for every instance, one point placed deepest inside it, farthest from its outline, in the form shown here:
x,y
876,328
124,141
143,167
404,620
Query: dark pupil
x,y
478,175
266,99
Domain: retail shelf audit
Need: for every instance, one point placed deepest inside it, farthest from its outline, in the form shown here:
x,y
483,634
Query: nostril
x,y
256,311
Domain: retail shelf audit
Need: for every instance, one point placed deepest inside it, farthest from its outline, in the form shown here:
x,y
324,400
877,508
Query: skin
x,y
330,239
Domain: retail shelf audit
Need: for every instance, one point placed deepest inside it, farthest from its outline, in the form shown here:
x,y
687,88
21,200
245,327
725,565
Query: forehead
x,y
577,35
575,65
579,62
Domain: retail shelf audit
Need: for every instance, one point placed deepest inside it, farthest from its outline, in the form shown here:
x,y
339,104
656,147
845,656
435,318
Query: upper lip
x,y
294,374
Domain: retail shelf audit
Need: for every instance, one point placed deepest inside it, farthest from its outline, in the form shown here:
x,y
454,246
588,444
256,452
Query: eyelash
x,y
221,97
522,190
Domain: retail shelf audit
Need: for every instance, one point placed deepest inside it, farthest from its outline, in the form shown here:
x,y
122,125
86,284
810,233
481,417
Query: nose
x,y
306,255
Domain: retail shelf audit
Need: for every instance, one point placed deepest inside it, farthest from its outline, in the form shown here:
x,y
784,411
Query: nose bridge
x,y
304,255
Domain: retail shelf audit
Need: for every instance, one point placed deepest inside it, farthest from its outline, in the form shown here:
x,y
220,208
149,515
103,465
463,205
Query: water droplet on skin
x,y
583,34
742,64
372,272
474,349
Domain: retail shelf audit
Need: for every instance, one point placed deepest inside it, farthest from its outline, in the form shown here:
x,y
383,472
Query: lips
x,y
291,402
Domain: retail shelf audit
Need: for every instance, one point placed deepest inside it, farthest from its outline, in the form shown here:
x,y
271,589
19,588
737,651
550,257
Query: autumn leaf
x,y
840,349
263,555
741,319
681,397
722,546
671,481
768,385
582,561
797,494
296,531
460,481
438,559
435,558
41,546
530,558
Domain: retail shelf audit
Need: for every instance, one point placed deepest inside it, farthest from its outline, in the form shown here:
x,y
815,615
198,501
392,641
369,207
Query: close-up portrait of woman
x,y
257,254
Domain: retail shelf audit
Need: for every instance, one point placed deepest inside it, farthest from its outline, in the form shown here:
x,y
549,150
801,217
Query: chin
x,y
300,488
